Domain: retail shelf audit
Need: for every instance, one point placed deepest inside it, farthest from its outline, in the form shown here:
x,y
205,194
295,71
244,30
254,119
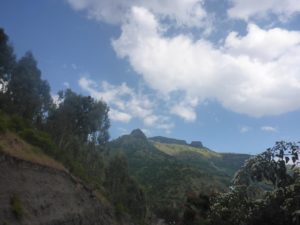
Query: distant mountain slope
x,y
204,158
168,171
166,140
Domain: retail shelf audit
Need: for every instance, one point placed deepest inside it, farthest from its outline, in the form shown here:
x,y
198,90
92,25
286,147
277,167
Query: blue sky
x,y
223,72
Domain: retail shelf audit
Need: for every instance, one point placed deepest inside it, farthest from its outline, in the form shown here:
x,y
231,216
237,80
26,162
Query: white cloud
x,y
245,9
184,111
263,45
245,129
256,74
66,84
126,104
187,114
182,12
119,116
269,129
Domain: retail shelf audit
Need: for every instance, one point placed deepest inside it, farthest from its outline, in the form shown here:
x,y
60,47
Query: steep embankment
x,y
35,189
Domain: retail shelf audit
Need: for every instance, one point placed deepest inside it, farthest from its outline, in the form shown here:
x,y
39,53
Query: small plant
x,y
16,207
120,209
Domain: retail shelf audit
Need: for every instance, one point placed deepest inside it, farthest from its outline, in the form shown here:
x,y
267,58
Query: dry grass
x,y
175,149
14,146
102,198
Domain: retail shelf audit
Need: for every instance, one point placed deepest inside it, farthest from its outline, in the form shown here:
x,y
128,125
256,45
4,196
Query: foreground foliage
x,y
265,191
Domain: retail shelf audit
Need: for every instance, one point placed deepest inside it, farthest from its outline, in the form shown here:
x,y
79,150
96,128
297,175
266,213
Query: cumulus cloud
x,y
120,116
185,109
182,12
256,74
246,9
187,113
126,104
264,45
269,129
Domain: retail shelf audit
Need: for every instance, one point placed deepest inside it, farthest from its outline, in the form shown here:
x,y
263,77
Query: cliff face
x,y
39,195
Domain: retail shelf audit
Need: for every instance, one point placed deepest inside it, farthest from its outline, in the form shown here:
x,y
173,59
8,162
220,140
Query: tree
x,y
78,116
124,192
7,59
265,190
270,166
28,94
7,63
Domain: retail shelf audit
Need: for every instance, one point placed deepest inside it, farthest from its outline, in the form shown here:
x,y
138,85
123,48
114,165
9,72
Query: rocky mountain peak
x,y
138,133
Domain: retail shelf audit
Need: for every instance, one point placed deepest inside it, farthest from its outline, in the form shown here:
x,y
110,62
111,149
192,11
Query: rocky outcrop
x,y
39,195
137,133
196,144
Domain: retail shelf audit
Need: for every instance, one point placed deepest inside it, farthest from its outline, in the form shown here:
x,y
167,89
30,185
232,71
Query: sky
x,y
225,72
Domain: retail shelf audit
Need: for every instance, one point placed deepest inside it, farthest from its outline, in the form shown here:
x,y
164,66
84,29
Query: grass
x,y
12,145
176,149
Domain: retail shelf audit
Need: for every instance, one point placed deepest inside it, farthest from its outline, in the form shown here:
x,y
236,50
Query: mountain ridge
x,y
168,171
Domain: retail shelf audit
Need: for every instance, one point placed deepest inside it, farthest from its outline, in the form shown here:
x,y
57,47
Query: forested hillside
x,y
130,180
171,171
72,131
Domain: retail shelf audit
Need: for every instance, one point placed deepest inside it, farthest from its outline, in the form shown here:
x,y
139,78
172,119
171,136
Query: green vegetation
x,y
125,193
168,172
16,207
70,135
181,183
264,191
176,149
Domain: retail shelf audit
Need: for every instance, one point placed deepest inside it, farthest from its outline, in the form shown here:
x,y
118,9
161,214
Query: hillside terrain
x,y
169,169
35,189
59,167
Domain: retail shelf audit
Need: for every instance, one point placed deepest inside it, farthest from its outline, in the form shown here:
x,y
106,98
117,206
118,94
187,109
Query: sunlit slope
x,y
202,157
12,145
177,149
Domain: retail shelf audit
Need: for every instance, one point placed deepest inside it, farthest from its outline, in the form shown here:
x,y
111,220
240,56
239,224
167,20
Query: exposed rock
x,y
197,144
47,196
138,134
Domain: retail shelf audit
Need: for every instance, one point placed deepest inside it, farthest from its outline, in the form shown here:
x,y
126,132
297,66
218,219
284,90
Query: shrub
x,y
16,207
39,139
120,210
17,124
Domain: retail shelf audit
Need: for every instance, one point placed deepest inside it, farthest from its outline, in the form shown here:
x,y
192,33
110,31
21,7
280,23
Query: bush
x,y
120,210
17,124
39,139
16,207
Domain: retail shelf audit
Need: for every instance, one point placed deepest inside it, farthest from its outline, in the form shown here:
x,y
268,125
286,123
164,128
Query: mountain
x,y
169,168
168,140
